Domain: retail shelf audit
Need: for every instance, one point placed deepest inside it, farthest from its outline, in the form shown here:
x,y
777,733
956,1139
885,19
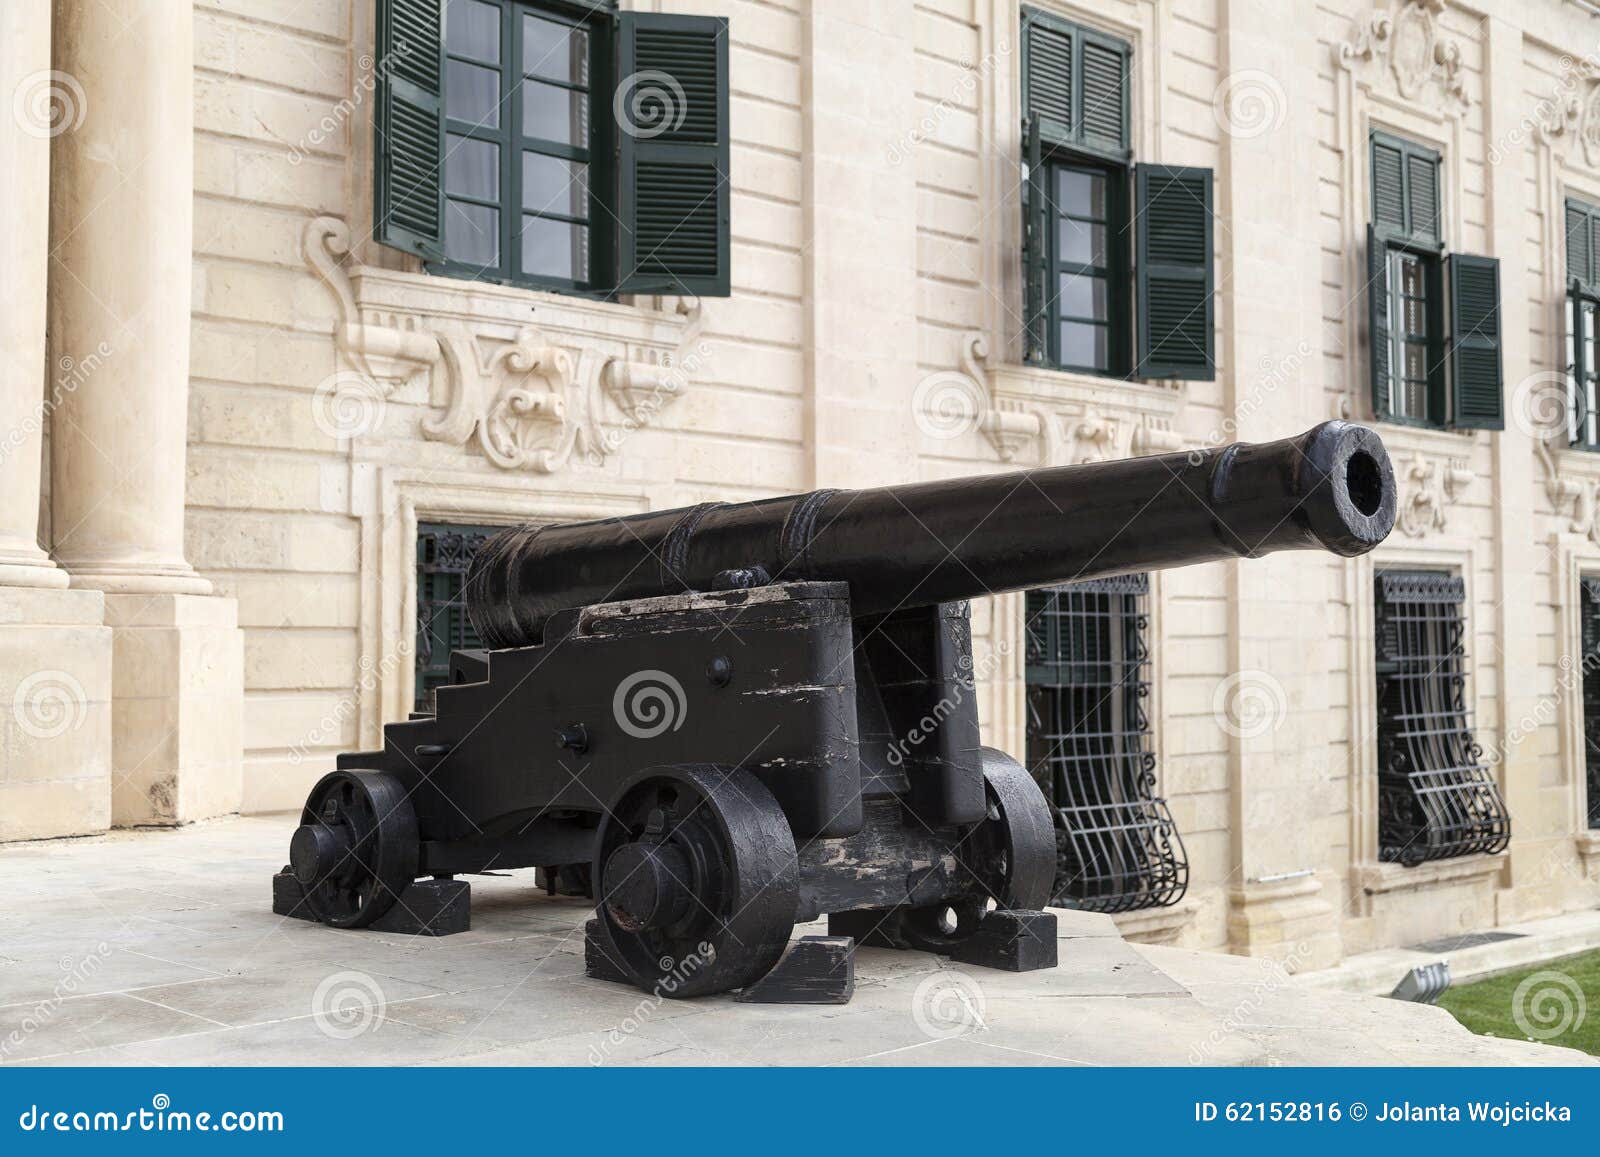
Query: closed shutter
x,y
1378,322
1405,191
1075,86
1422,196
1475,341
671,104
1580,244
408,181
1174,279
1388,187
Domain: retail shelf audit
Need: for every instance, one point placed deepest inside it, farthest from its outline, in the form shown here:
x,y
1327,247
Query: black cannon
x,y
726,720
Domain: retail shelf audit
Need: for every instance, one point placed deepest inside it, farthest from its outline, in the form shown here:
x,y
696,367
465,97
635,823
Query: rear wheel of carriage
x,y
1006,860
356,848
696,879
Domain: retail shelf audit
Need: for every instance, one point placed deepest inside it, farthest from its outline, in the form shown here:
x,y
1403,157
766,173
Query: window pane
x,y
554,185
1416,366
472,168
554,114
556,51
1082,295
1083,344
555,249
1081,194
472,28
471,234
1081,243
472,94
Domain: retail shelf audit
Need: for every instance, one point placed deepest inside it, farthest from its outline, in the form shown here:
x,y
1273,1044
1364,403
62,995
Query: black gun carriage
x,y
725,720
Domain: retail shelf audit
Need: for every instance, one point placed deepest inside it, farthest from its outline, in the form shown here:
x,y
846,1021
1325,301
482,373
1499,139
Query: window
x,y
1089,746
1583,302
443,554
1589,605
1434,317
1116,258
557,144
1435,797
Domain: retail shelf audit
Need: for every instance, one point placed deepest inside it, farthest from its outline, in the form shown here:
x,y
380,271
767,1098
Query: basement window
x,y
444,551
1436,799
1088,679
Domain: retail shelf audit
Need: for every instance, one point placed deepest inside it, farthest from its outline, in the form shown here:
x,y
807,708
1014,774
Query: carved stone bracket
x,y
1573,493
1406,36
1431,486
1058,419
1570,115
527,397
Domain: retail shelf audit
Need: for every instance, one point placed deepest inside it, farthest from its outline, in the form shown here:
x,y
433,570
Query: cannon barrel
x,y
1331,488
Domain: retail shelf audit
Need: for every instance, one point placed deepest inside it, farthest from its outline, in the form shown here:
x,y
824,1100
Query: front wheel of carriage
x,y
357,847
696,879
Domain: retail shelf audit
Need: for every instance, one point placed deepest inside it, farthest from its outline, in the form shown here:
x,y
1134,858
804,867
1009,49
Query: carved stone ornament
x,y
1430,486
1056,431
1570,115
1573,493
525,397
1406,36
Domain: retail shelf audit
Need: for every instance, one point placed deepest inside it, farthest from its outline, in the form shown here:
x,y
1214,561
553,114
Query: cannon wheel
x,y
1008,859
697,879
356,848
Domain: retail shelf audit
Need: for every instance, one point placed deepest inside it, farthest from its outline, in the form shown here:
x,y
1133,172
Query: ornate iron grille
x,y
1589,609
1089,746
1435,797
443,554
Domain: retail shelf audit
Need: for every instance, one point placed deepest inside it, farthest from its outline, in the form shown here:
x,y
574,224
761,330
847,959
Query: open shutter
x,y
1378,323
1172,244
1475,341
1035,252
671,105
408,181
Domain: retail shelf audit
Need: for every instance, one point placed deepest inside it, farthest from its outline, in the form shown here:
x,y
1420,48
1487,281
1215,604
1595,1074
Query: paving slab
x,y
160,948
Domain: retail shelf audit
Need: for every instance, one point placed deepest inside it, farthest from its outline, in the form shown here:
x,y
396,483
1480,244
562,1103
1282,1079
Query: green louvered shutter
x,y
1422,196
1378,322
408,181
1475,341
1583,245
1388,186
672,154
1103,94
1047,77
1174,281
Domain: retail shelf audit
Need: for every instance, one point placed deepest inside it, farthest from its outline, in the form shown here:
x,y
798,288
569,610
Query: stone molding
x,y
1429,486
1422,61
528,397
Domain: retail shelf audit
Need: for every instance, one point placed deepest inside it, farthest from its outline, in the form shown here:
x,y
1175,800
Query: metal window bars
x,y
1089,746
1589,631
443,555
1436,799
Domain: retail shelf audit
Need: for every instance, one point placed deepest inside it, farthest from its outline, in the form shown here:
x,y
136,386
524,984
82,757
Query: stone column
x,y
121,221
1285,803
55,657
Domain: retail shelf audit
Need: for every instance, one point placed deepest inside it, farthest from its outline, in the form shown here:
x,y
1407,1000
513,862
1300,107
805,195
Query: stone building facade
x,y
248,441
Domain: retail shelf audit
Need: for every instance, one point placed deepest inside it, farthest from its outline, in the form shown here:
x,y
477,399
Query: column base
x,y
178,683
23,564
55,714
1288,921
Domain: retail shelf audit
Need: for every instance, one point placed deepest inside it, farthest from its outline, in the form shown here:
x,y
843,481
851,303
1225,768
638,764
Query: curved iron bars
x,y
1089,746
1436,799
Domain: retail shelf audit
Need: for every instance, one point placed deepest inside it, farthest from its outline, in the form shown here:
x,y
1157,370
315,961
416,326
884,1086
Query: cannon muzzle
x,y
1331,488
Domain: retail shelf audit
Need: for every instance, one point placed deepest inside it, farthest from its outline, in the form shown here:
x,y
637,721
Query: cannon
x,y
726,720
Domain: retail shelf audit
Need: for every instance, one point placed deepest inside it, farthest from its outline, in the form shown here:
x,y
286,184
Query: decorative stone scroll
x,y
1421,59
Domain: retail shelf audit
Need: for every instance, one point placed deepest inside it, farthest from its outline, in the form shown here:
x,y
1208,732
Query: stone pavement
x,y
159,948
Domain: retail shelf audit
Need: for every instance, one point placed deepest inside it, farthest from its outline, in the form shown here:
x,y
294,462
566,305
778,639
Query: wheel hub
x,y
647,886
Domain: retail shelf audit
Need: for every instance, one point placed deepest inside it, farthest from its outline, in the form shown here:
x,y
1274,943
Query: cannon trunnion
x,y
725,721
